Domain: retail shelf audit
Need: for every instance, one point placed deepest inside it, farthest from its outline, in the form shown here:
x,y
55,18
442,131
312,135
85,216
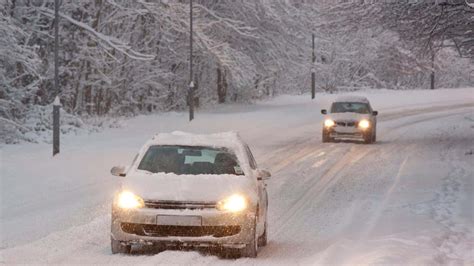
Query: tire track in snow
x,y
318,186
418,111
372,222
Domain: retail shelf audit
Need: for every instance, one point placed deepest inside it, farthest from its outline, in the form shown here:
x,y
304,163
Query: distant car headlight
x,y
364,124
234,203
128,200
329,123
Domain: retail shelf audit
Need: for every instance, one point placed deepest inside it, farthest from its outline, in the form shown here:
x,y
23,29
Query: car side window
x,y
253,163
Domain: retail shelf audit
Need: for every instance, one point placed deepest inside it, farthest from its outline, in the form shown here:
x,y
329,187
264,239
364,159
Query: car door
x,y
262,193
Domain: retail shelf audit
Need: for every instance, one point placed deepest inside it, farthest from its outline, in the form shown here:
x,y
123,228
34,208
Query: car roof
x,y
230,140
352,99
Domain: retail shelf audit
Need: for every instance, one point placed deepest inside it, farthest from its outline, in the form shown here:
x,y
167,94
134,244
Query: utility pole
x,y
57,103
313,73
191,78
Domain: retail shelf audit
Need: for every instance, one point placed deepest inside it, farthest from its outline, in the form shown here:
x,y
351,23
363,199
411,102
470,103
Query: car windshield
x,y
187,160
350,107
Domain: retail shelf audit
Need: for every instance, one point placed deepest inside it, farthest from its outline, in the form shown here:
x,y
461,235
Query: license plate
x,y
179,220
346,130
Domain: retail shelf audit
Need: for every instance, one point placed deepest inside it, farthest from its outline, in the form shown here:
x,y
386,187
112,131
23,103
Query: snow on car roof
x,y
352,99
224,139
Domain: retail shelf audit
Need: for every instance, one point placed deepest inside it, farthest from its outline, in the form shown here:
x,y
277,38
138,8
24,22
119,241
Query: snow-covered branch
x,y
110,41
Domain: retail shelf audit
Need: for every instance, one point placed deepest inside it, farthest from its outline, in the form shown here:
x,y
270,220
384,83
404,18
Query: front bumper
x,y
354,136
346,133
218,228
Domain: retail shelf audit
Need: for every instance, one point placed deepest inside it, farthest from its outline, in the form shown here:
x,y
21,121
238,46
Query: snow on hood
x,y
174,187
347,116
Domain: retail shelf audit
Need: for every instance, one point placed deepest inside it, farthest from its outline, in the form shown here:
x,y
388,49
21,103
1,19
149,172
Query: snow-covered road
x,y
408,199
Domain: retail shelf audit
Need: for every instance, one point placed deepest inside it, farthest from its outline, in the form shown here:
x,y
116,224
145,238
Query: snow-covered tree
x,y
121,57
423,27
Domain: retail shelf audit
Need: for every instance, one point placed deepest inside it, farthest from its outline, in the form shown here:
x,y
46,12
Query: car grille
x,y
179,231
179,205
346,123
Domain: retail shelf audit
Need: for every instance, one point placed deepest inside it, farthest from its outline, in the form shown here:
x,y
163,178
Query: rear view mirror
x,y
263,175
375,113
324,112
118,171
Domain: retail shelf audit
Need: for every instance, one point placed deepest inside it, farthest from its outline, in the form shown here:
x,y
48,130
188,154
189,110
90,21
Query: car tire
x,y
374,136
326,138
229,253
119,248
368,138
251,249
262,240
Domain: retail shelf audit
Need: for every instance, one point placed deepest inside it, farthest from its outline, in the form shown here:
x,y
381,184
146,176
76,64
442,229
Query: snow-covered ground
x,y
408,199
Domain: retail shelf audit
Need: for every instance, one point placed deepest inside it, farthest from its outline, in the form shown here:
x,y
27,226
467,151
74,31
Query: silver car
x,y
350,117
185,190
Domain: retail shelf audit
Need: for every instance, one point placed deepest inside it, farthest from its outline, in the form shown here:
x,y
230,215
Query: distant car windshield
x,y
348,107
190,160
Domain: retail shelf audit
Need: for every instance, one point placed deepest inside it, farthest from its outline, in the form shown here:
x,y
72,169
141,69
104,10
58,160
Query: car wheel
x,y
326,137
251,249
262,240
229,253
374,136
119,248
368,138
159,247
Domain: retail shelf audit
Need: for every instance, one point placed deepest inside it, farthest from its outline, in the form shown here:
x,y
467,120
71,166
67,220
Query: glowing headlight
x,y
234,203
329,123
128,200
364,124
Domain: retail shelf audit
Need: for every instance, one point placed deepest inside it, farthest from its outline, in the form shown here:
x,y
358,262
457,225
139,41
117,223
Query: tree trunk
x,y
224,83
99,100
88,99
432,75
12,8
432,78
221,86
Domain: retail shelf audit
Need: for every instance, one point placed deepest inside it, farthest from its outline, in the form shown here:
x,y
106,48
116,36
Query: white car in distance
x,y
352,118
185,190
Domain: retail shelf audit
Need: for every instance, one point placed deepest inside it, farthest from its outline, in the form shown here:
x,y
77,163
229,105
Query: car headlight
x,y
364,124
329,123
128,200
234,203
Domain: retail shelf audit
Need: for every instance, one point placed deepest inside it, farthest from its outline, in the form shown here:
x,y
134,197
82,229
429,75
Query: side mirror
x,y
375,113
324,112
263,175
118,171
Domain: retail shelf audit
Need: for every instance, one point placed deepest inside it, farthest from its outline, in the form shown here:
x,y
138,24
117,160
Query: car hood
x,y
348,116
189,187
